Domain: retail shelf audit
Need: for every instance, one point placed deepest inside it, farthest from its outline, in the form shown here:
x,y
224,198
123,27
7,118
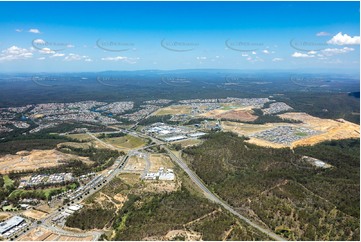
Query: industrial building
x,y
12,225
174,138
196,135
162,174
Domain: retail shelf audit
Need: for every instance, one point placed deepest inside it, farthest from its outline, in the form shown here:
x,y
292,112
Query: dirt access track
x,y
35,159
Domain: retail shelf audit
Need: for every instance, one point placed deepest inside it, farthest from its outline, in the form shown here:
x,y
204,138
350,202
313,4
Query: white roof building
x,y
10,224
174,138
75,207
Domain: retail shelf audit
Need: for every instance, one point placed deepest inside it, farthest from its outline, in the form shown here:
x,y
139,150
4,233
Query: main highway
x,y
215,199
120,163
208,194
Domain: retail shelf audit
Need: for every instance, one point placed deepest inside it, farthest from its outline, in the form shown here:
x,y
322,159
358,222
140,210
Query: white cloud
x,y
277,59
254,53
34,31
46,51
58,55
121,58
322,33
312,52
265,51
39,42
41,58
201,58
70,46
344,39
301,55
76,57
244,54
88,60
15,53
19,30
255,59
336,51
117,58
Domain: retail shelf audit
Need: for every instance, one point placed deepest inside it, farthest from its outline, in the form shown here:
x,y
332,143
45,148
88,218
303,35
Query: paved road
x,y
209,194
205,190
46,223
215,199
190,173
102,142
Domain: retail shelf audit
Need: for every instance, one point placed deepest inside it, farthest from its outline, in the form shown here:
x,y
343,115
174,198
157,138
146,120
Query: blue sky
x,y
97,36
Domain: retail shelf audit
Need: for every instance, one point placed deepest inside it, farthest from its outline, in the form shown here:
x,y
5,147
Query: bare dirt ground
x,y
35,214
334,129
44,208
159,160
4,216
43,234
161,186
129,178
240,114
248,129
188,235
135,164
73,238
35,159
120,198
331,129
36,234
173,110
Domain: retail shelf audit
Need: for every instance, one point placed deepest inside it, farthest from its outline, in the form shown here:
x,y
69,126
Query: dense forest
x,y
30,142
275,186
153,215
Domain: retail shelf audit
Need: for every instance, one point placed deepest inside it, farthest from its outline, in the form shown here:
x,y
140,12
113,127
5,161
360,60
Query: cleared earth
x,y
239,114
333,129
35,159
173,110
42,234
328,128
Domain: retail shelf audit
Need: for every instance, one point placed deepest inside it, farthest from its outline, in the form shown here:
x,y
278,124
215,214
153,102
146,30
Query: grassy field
x,y
189,142
230,106
80,137
41,193
7,181
9,208
173,110
125,142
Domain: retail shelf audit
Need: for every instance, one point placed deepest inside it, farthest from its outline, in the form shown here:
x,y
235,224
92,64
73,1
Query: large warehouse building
x,y
10,224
